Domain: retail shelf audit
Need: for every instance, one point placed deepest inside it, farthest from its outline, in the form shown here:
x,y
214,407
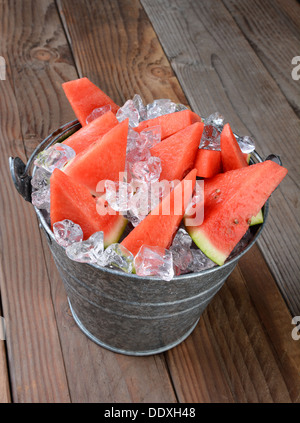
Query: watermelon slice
x,y
92,132
69,200
232,156
104,159
170,123
230,201
84,97
208,163
185,143
160,226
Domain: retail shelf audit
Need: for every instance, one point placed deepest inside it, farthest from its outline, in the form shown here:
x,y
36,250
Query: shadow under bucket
x,y
122,312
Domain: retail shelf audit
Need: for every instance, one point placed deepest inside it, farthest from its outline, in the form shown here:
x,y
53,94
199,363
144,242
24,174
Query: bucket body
x,y
131,314
123,312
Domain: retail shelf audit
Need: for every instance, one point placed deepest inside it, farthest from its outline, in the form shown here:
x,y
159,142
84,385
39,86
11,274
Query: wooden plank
x,y
36,365
43,107
98,375
242,349
122,56
124,379
216,77
272,30
213,364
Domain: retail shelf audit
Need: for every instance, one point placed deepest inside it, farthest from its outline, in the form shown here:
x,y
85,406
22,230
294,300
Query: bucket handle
x,y
20,172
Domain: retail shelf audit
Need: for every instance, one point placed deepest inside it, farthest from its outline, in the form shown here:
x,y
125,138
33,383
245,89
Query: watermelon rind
x,y
205,245
116,232
259,218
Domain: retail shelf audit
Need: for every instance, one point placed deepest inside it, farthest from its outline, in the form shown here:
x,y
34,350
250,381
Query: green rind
x,y
116,232
203,242
259,218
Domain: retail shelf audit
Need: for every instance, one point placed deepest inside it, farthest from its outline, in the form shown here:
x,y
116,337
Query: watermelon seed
x,y
236,221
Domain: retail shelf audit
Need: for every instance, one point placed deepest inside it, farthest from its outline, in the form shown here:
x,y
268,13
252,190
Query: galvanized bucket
x,y
123,312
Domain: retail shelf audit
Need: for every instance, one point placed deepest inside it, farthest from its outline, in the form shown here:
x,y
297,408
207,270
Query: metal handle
x,y
274,158
20,172
21,179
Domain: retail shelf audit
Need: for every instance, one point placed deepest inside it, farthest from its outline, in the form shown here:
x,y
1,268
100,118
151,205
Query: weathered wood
x,y
36,364
199,367
197,38
114,45
98,375
272,29
39,66
242,349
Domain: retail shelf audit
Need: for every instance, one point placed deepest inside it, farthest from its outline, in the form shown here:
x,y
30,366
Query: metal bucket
x,y
123,312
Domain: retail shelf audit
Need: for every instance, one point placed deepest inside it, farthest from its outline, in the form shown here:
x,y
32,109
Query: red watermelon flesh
x,y
69,200
92,132
178,152
161,225
104,159
232,156
208,163
230,201
84,97
170,123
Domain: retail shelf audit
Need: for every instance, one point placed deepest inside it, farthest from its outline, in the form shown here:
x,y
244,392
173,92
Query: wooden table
x,y
231,56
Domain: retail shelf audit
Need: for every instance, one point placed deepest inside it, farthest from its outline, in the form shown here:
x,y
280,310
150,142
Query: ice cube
x,y
41,198
180,107
210,138
181,251
118,195
128,110
247,144
182,238
41,178
54,157
135,155
242,244
139,205
200,261
151,136
89,251
147,170
67,232
154,261
215,119
139,105
160,107
99,111
158,190
117,255
133,140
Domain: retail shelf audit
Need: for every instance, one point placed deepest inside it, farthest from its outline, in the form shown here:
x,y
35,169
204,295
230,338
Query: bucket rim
x,y
73,126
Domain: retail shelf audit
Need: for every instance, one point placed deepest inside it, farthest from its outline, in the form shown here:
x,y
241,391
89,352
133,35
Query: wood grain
x,y
40,63
242,349
272,30
36,365
230,356
114,46
197,38
98,375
